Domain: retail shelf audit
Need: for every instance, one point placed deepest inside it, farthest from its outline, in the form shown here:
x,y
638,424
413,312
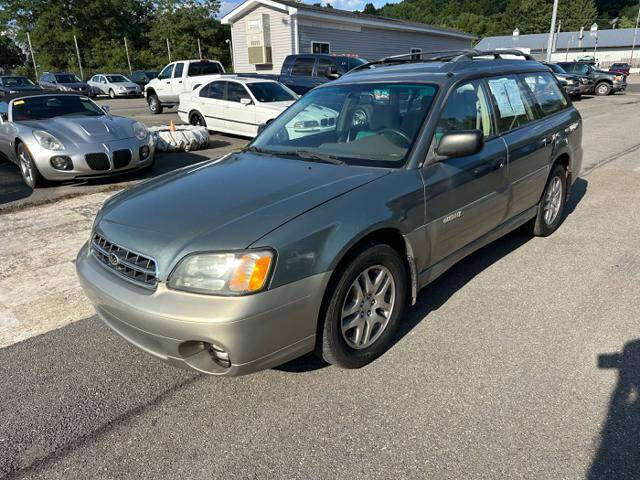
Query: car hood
x,y
82,130
21,88
75,85
224,204
124,84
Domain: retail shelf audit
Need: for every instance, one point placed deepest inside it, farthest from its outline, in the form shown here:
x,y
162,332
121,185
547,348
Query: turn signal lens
x,y
250,274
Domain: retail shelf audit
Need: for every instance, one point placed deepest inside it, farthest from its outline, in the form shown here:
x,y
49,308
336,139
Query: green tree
x,y
11,55
577,13
370,9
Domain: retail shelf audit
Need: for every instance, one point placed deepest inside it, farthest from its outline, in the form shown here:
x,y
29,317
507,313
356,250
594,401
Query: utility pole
x,y
566,55
169,50
635,32
553,29
75,39
199,50
126,49
33,57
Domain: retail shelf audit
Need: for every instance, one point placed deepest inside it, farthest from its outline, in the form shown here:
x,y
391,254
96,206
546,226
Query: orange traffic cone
x,y
172,127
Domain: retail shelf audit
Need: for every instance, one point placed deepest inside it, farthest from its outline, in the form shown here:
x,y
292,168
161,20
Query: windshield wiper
x,y
315,156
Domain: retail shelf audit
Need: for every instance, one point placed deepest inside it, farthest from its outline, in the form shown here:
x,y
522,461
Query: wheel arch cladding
x,y
564,160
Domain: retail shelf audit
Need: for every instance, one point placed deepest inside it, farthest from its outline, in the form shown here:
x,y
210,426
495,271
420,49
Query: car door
x,y
301,78
211,104
240,118
163,85
177,82
103,86
527,142
466,197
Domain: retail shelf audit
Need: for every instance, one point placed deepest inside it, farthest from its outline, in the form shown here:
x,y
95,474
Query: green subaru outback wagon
x,y
318,242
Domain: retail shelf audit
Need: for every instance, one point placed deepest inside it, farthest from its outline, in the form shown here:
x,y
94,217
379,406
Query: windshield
x,y
67,78
151,75
16,81
347,63
363,124
556,68
203,68
271,92
116,78
49,106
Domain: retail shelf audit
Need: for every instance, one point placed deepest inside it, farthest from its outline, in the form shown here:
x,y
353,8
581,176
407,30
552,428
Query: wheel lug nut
x,y
369,313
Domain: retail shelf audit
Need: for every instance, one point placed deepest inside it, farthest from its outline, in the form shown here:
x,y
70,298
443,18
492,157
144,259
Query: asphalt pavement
x,y
520,362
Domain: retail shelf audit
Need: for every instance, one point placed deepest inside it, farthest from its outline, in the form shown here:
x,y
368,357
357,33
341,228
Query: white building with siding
x,y
264,32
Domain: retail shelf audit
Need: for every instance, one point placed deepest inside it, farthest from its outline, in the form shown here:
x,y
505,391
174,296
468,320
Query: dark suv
x,y
604,83
319,241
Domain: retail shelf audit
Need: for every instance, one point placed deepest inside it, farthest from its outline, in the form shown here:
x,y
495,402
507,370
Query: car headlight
x,y
233,273
140,131
48,141
618,78
570,82
120,88
66,89
584,81
306,124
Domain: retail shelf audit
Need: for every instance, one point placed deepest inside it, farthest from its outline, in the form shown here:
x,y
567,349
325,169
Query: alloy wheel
x,y
552,201
368,306
26,168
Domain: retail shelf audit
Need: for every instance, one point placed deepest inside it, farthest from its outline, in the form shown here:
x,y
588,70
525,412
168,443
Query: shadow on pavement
x,y
438,293
618,455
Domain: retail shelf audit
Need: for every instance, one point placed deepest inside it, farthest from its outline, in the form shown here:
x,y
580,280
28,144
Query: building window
x,y
319,47
416,50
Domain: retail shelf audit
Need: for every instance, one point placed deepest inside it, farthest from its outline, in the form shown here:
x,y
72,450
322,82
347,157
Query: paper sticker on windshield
x,y
507,95
18,102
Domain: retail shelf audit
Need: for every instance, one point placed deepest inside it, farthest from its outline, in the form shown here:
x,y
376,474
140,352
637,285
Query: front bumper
x,y
258,331
619,86
573,89
81,168
128,93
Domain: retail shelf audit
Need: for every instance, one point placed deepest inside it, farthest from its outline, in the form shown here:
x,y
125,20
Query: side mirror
x,y
261,128
245,101
333,73
460,144
106,108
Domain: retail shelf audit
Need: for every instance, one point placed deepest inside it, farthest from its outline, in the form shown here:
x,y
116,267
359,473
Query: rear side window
x,y
177,73
546,91
467,108
214,90
303,67
513,107
324,67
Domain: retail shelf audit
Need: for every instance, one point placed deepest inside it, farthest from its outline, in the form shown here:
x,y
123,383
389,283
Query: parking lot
x,y
521,362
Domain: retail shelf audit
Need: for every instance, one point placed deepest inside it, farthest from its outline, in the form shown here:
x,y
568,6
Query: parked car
x,y
302,72
179,77
604,83
319,242
620,68
16,84
239,105
65,136
65,82
142,77
114,85
574,85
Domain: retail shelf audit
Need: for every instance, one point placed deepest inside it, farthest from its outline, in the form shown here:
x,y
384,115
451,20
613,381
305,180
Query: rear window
x,y
203,68
546,91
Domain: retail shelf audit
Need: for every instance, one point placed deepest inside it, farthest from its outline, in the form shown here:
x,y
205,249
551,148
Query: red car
x,y
620,68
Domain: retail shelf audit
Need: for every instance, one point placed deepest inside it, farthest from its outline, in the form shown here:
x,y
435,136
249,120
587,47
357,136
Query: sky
x,y
226,6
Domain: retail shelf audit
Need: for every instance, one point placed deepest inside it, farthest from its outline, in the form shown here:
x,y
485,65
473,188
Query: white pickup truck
x,y
179,77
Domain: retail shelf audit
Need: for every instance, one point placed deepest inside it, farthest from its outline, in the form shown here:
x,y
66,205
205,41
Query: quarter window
x,y
319,47
303,67
513,107
467,108
546,91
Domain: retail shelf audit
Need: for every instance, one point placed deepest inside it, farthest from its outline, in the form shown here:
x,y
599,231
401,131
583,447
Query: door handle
x,y
499,163
180,81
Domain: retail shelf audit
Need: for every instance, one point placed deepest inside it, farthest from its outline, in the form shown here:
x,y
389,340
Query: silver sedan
x,y
60,136
114,85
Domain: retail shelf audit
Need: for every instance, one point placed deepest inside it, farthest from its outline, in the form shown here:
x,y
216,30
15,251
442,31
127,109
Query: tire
x,y
602,89
112,94
555,191
349,346
155,106
30,173
197,120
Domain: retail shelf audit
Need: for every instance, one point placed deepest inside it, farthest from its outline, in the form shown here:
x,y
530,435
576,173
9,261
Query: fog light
x,y
144,152
60,162
219,355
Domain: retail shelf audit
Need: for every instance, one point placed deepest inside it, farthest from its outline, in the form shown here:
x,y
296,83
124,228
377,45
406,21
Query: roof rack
x,y
441,56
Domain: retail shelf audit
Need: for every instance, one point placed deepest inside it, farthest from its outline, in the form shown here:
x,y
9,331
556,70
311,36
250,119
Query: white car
x,y
114,85
239,105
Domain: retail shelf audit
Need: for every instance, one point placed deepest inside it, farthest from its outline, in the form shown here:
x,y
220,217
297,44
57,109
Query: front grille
x,y
97,161
121,158
130,265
